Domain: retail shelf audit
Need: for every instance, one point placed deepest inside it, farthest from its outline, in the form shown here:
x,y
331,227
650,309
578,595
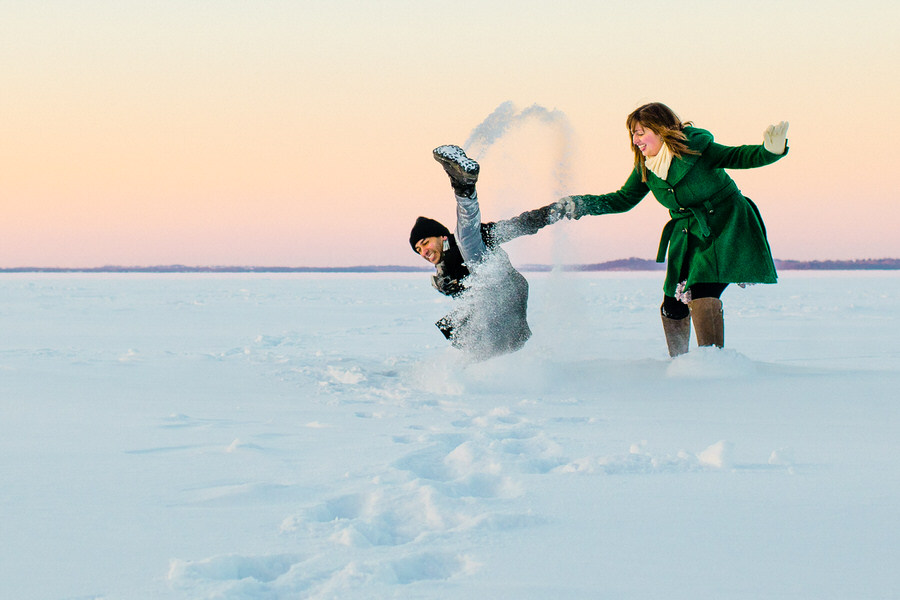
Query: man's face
x,y
431,248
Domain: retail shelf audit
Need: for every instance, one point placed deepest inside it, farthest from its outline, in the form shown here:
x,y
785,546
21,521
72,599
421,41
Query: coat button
x,y
684,230
682,209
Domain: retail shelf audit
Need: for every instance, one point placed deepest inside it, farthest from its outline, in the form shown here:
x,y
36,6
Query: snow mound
x,y
718,455
711,363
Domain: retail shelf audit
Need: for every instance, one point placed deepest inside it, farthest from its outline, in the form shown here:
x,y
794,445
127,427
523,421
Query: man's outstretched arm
x,y
528,223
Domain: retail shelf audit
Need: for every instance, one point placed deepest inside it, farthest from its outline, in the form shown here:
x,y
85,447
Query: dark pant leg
x,y
676,309
707,290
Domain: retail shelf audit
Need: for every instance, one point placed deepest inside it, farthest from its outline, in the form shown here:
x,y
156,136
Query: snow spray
x,y
506,118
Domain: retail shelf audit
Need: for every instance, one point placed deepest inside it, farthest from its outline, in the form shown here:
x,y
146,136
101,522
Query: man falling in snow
x,y
490,316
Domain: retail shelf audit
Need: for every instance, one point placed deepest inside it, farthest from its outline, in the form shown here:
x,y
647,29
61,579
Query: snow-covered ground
x,y
312,436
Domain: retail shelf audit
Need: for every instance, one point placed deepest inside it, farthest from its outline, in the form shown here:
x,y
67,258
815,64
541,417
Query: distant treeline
x,y
626,264
214,269
840,265
641,264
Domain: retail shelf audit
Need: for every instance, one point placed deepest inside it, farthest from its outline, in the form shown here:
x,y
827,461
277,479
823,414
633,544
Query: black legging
x,y
676,309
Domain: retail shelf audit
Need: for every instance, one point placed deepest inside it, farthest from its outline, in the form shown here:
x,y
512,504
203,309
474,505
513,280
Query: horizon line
x,y
626,264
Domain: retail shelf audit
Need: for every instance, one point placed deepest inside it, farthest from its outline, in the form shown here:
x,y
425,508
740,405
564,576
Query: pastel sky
x,y
226,132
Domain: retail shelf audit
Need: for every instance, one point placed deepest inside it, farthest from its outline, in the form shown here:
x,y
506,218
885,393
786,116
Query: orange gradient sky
x,y
300,133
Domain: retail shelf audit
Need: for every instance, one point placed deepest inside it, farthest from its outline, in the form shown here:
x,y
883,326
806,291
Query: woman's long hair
x,y
661,120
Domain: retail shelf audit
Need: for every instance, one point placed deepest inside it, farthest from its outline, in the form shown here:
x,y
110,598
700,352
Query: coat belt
x,y
698,212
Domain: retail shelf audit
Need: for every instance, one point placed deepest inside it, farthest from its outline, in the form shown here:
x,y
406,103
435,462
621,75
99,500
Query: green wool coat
x,y
715,234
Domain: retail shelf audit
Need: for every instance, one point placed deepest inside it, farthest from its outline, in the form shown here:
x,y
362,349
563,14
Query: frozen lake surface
x,y
313,436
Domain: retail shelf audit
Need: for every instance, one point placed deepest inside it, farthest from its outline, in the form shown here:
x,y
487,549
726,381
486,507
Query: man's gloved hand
x,y
553,213
446,285
775,138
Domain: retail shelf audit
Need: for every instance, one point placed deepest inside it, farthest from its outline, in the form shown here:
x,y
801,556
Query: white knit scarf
x,y
660,163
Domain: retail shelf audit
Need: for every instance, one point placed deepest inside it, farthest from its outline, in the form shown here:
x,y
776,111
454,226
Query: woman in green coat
x,y
715,236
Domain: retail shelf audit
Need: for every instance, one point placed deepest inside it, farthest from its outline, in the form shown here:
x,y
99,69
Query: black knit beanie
x,y
426,228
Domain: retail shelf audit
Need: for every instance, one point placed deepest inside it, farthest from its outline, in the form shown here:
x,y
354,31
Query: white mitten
x,y
775,137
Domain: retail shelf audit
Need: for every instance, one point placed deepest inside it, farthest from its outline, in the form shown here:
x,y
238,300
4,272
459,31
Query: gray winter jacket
x,y
490,316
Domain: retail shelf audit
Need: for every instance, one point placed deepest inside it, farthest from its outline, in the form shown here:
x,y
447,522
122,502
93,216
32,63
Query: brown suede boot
x,y
678,334
709,321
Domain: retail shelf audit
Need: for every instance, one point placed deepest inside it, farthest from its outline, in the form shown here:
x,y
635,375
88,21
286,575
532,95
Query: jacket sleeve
x,y
528,223
740,157
627,197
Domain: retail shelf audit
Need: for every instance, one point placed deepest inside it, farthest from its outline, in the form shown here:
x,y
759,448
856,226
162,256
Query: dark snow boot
x,y
463,171
709,321
678,334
